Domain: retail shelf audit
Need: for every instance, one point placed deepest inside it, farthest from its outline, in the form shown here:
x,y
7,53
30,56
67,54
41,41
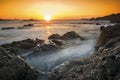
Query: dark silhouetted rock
x,y
7,28
114,18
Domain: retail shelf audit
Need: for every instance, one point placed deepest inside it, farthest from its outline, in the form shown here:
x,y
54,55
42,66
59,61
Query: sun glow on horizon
x,y
47,18
57,9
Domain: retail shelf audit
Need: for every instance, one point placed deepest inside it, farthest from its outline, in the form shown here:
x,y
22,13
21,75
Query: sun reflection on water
x,y
48,32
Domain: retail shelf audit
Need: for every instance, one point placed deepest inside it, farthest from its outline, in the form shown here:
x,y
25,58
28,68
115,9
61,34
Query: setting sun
x,y
47,18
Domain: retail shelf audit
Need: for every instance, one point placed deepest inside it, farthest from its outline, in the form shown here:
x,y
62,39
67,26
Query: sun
x,y
47,18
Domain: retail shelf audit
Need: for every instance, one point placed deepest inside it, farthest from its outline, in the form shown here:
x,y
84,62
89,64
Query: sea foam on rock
x,y
104,64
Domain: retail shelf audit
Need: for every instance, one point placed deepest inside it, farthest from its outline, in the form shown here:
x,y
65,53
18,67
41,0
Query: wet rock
x,y
101,28
71,35
67,36
103,65
15,68
47,47
54,36
25,44
57,42
113,42
108,33
7,28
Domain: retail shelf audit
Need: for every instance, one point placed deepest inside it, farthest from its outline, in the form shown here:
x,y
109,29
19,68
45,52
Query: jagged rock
x,y
113,42
67,36
25,44
58,42
15,68
54,36
71,35
103,65
47,47
108,33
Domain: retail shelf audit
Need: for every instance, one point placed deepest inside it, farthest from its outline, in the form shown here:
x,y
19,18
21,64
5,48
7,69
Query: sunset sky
x,y
57,9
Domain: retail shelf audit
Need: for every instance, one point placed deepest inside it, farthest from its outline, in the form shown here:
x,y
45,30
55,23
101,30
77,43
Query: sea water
x,y
48,62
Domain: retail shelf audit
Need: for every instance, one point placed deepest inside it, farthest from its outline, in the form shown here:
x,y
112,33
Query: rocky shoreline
x,y
12,62
13,67
104,64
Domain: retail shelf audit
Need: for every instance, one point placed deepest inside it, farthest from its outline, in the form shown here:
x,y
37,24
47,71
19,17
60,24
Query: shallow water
x,y
46,63
42,31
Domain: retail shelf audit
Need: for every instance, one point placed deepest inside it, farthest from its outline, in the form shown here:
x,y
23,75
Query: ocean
x,y
47,62
44,30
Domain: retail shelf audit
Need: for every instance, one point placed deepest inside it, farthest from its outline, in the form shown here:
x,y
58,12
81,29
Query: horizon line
x,y
27,19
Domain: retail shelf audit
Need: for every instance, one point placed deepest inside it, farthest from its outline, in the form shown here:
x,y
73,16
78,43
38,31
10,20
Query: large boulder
x,y
25,44
71,35
108,33
15,68
54,36
67,36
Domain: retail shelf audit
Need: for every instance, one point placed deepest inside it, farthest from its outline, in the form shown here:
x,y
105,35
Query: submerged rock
x,y
7,28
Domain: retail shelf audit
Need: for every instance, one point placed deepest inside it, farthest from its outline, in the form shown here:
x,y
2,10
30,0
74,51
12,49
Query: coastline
x,y
85,66
102,65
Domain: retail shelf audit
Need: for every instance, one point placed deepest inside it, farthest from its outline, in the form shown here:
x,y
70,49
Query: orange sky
x,y
57,9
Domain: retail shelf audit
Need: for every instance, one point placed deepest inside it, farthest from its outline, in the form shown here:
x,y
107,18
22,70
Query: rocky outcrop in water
x,y
24,44
55,36
67,36
104,64
13,67
71,35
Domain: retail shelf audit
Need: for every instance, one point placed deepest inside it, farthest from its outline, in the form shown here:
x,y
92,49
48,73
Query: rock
x,y
15,68
25,44
29,43
47,47
7,28
54,36
108,33
39,41
58,42
113,42
67,36
103,65
71,35
101,28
